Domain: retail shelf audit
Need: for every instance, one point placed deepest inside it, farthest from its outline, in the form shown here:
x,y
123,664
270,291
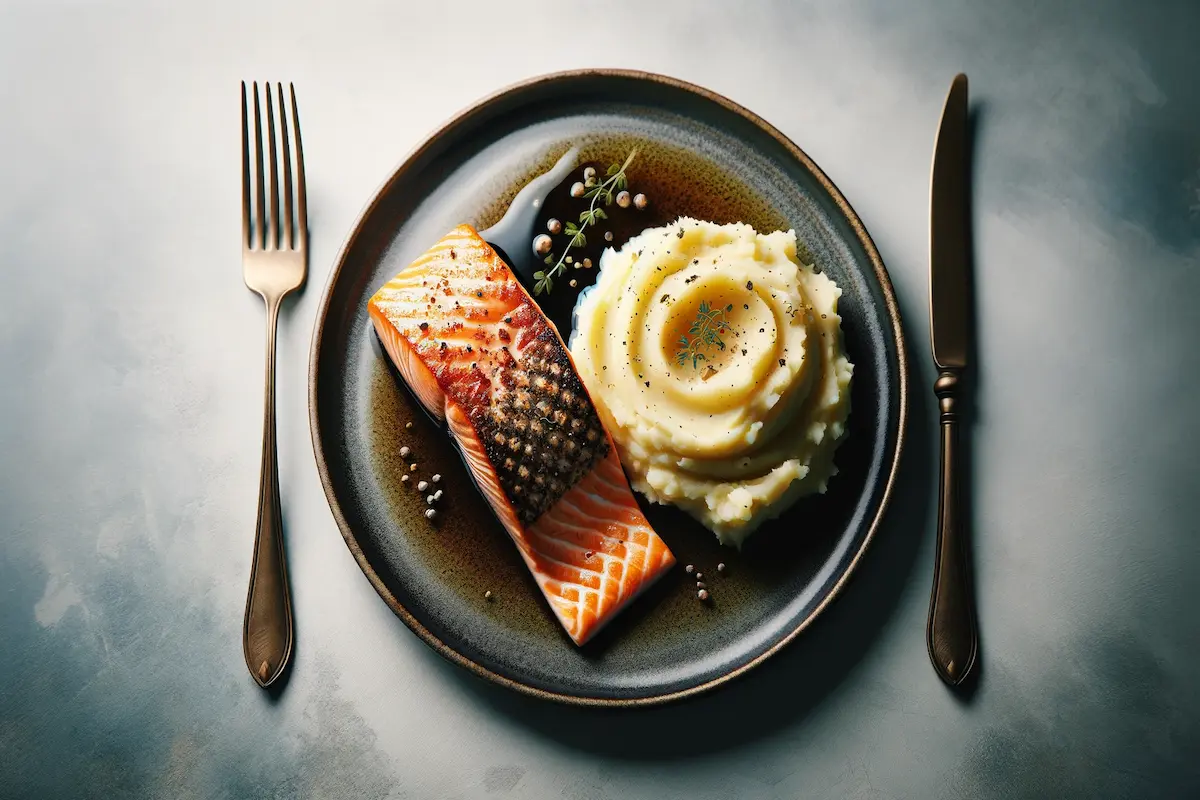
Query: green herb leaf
x,y
539,275
598,191
704,333
621,182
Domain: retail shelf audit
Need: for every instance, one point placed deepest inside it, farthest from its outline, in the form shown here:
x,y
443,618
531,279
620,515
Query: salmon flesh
x,y
479,354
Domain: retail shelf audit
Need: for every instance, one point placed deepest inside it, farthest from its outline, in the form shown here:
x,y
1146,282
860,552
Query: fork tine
x,y
301,194
288,241
245,172
260,233
273,229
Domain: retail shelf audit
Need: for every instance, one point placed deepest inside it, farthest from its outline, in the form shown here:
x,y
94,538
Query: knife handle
x,y
951,636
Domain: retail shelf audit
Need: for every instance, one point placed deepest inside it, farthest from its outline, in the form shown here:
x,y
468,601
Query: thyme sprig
x,y
704,333
615,181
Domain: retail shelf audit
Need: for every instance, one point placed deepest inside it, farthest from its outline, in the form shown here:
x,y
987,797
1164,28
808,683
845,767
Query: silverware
x,y
274,258
951,635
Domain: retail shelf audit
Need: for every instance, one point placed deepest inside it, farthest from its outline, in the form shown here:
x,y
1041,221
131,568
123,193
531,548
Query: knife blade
x,y
951,633
949,229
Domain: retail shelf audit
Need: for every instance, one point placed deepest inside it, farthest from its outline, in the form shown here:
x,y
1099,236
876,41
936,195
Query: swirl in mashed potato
x,y
737,425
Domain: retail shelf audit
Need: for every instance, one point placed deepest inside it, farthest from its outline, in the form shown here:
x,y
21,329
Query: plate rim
x,y
413,156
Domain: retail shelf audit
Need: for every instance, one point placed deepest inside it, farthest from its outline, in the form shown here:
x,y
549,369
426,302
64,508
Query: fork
x,y
274,258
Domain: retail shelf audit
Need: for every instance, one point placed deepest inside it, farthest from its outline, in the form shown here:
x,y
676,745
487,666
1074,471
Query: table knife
x,y
951,632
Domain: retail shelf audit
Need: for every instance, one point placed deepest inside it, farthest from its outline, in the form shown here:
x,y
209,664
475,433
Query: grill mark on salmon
x,y
479,354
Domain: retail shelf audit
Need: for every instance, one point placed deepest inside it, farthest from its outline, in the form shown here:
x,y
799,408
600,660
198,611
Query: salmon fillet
x,y
479,354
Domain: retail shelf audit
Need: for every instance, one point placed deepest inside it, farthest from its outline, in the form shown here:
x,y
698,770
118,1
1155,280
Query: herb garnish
x,y
615,181
704,333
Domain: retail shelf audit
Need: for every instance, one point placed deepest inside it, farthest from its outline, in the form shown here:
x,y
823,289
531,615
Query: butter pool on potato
x,y
736,428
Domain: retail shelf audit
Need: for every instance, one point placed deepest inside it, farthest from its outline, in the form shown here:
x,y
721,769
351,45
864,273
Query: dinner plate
x,y
704,156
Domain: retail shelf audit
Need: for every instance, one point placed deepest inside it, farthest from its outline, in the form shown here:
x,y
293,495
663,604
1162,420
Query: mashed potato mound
x,y
715,359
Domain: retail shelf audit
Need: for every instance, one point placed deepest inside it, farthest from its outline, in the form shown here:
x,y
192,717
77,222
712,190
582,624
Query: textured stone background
x,y
130,356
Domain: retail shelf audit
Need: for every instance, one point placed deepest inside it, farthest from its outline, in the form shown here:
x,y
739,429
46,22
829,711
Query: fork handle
x,y
951,633
267,632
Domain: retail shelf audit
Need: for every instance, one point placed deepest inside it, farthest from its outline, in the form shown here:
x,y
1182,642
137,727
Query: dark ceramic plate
x,y
700,155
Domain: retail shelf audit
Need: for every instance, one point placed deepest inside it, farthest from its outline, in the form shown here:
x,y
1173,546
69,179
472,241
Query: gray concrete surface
x,y
130,390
